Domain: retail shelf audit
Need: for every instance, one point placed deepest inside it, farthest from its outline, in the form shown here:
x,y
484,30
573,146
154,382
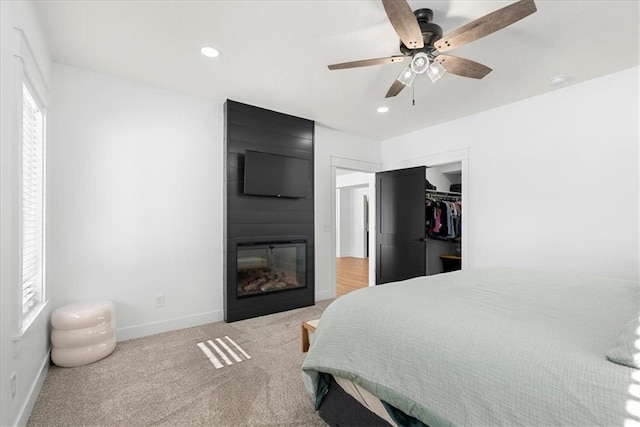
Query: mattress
x,y
483,347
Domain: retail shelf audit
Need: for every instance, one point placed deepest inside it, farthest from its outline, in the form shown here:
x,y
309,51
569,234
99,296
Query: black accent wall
x,y
262,218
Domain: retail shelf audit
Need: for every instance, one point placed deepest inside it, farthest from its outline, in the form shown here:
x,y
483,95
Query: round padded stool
x,y
83,333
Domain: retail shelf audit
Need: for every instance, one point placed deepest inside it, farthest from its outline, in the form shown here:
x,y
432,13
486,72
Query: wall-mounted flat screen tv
x,y
267,174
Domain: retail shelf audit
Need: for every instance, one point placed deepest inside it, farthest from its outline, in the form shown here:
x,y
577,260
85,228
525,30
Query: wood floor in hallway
x,y
351,273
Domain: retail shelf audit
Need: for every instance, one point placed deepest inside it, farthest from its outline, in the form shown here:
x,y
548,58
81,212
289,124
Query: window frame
x,y
27,318
29,74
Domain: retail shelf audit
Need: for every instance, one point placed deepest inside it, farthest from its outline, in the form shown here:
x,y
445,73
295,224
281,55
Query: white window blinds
x,y
32,202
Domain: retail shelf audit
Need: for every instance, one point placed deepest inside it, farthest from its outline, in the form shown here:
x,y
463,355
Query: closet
x,y
443,230
443,221
418,222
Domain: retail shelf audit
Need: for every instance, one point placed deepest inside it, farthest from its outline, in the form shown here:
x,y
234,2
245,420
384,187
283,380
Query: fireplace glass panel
x,y
270,267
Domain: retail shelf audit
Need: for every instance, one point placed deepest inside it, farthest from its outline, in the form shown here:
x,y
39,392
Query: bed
x,y
482,347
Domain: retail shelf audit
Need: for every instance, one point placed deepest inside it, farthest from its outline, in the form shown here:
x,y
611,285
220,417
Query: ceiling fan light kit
x,y
420,63
407,76
422,41
435,72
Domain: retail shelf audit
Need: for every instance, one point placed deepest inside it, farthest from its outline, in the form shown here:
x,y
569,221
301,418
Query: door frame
x,y
356,166
442,158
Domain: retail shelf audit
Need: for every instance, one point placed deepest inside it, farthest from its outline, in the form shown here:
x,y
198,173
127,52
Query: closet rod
x,y
443,193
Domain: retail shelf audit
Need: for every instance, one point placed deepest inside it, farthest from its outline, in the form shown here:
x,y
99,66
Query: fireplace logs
x,y
265,280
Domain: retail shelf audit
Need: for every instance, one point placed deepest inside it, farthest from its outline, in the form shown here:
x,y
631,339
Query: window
x,y
32,204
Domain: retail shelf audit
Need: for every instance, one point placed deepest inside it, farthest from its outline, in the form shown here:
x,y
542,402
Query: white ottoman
x,y
83,333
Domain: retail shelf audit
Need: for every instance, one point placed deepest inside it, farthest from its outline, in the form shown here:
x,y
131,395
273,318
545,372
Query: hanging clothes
x,y
443,217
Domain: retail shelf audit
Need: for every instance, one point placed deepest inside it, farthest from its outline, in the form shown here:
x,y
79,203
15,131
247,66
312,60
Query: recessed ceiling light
x,y
211,52
558,80
383,109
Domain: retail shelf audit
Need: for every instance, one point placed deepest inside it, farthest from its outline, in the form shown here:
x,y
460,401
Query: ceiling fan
x,y
422,41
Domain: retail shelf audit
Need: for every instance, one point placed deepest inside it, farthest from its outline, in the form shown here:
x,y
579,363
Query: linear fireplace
x,y
268,274
270,267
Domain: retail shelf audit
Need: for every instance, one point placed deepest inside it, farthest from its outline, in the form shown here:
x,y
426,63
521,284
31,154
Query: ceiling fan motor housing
x,y
430,32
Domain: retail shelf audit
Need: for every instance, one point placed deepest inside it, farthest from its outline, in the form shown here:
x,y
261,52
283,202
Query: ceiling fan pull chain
x,y
413,95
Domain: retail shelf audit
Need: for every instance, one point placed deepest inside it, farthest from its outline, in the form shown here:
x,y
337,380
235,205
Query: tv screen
x,y
268,174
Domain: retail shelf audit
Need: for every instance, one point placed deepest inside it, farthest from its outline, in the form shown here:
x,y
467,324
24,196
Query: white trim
x,y
32,69
153,328
29,320
32,396
29,73
436,159
334,221
17,195
356,165
338,226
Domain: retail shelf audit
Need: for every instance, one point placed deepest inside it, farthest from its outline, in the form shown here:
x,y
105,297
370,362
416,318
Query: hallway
x,y
351,273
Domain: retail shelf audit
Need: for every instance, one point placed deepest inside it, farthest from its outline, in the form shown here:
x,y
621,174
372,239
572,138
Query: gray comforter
x,y
483,347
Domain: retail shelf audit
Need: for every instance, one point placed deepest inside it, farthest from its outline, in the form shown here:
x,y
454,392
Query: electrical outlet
x,y
159,301
12,380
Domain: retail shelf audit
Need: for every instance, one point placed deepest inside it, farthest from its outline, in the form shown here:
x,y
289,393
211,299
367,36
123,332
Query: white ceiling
x,y
275,54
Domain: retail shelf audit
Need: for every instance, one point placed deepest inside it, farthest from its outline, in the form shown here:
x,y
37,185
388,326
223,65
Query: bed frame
x,y
338,408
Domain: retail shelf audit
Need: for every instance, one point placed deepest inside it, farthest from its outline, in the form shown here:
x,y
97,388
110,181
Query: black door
x,y
400,231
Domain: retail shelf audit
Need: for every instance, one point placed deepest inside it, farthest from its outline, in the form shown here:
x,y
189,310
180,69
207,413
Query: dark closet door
x,y
400,231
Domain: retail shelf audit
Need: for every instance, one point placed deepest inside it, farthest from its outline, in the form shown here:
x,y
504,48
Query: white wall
x,y
355,179
350,229
136,180
440,176
343,224
25,354
553,180
352,222
358,233
135,177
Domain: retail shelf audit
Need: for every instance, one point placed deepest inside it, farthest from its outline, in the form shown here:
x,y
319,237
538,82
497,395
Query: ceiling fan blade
x,y
462,66
404,22
367,62
395,89
486,25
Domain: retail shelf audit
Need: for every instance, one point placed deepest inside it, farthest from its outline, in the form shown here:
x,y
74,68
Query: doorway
x,y
459,157
353,194
444,236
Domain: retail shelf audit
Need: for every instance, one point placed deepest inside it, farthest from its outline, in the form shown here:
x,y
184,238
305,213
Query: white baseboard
x,y
153,328
321,296
34,392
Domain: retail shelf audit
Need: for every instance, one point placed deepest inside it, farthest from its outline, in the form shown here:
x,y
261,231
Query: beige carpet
x,y
166,379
